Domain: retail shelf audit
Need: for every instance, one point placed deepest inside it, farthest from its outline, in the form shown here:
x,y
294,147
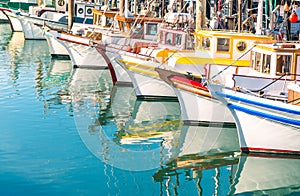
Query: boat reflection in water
x,y
138,135
205,158
263,174
52,86
131,134
231,174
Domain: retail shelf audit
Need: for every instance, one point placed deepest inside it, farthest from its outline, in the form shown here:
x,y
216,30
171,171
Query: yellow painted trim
x,y
142,71
248,36
218,61
136,64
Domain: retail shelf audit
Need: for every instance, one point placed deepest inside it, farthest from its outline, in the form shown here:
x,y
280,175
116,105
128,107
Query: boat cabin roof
x,y
276,59
233,34
280,47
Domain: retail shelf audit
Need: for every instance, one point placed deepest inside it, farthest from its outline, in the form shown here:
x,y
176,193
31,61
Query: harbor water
x,y
70,131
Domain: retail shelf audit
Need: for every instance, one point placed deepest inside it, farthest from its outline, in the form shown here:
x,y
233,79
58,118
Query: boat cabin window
x,y
162,37
223,44
261,62
169,38
190,42
256,61
137,30
205,43
266,63
151,29
178,39
283,64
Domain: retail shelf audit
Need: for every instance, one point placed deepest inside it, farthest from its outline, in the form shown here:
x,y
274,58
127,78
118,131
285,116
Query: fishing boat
x,y
53,17
183,73
31,24
146,40
138,55
198,107
15,24
265,102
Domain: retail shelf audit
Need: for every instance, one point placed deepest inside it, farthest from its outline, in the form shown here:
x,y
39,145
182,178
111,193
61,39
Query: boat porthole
x,y
80,10
241,46
61,2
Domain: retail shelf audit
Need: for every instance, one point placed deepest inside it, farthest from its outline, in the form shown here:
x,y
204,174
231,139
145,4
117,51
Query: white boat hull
x,y
31,31
263,125
32,25
199,109
3,18
117,69
147,87
14,21
81,53
57,50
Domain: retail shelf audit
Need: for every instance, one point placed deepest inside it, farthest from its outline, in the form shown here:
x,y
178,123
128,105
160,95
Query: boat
x,y
81,43
265,102
56,49
54,17
136,55
32,23
15,24
184,71
3,17
197,104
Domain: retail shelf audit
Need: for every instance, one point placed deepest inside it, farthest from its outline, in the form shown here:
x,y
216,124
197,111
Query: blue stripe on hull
x,y
264,115
274,107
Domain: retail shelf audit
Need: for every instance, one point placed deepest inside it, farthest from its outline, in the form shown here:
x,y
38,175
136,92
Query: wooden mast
x,y
70,14
121,8
239,15
259,17
200,13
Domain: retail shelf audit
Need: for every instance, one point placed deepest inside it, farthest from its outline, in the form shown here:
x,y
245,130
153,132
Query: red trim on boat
x,y
63,39
5,9
190,82
267,150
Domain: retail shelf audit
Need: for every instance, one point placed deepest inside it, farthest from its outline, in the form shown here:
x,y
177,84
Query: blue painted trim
x,y
264,115
274,107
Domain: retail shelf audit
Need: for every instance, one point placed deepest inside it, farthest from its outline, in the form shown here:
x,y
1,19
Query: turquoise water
x,y
69,131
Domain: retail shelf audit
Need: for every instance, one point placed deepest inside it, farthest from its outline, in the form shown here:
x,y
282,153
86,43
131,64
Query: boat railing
x,y
279,95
